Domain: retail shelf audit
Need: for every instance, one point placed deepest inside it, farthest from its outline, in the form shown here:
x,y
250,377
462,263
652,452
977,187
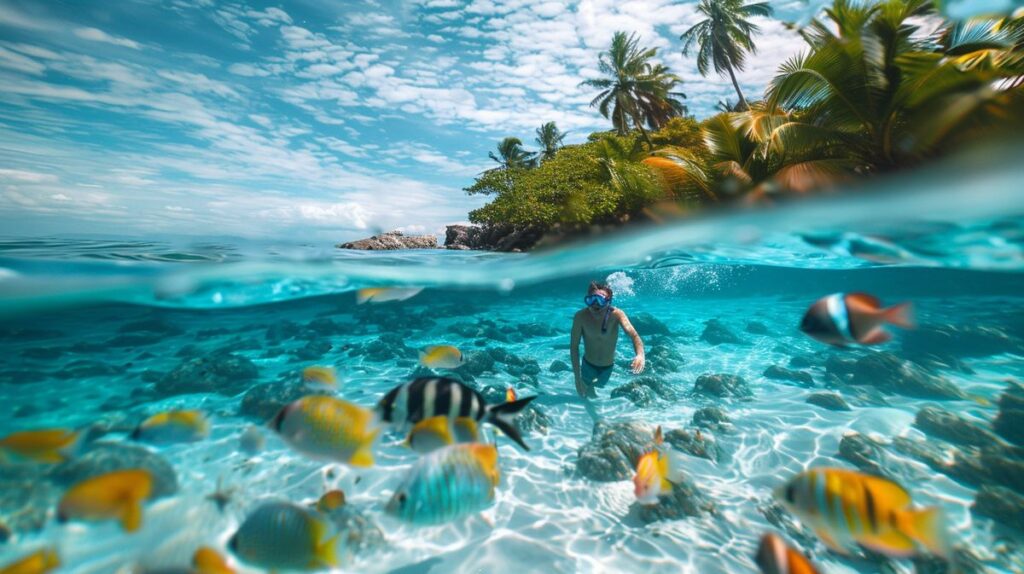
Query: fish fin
x,y
887,490
831,542
327,553
865,299
438,425
131,515
363,457
487,454
666,485
658,437
469,430
365,295
901,315
674,466
503,415
876,337
891,543
927,527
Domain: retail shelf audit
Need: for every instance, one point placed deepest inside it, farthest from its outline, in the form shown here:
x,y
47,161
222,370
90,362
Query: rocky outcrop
x,y
390,241
722,385
1000,504
891,374
943,424
712,418
613,450
716,333
685,500
104,457
695,444
491,237
1009,423
830,401
778,373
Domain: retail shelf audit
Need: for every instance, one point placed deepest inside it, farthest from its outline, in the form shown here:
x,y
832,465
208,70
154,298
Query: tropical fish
x,y
774,556
114,495
446,484
251,440
281,535
510,395
385,294
327,428
206,560
319,376
172,427
39,562
433,433
44,446
427,397
331,500
441,357
656,471
844,506
847,318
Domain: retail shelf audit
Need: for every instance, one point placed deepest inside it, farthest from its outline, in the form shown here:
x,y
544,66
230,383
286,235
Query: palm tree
x,y
511,155
549,138
634,91
725,37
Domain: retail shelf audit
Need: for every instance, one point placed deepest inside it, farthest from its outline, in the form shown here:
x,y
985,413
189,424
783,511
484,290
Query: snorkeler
x,y
598,323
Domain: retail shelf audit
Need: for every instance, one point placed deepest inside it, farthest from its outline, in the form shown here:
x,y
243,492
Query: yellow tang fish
x,y
283,536
327,428
331,500
385,294
441,357
172,427
845,506
774,556
117,494
433,433
656,471
318,376
39,562
45,446
206,560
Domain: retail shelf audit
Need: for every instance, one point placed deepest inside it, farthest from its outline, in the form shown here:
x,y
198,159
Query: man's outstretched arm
x,y
574,354
638,346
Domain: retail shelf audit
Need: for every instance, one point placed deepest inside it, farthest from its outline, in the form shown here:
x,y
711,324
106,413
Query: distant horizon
x,y
309,121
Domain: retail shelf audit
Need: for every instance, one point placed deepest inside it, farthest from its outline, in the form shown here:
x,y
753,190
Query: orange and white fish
x,y
441,357
327,428
44,446
440,431
854,318
845,506
774,556
38,562
386,294
173,427
206,560
656,471
319,376
114,495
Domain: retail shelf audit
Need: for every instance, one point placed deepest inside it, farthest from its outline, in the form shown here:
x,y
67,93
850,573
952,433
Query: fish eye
x,y
401,498
791,494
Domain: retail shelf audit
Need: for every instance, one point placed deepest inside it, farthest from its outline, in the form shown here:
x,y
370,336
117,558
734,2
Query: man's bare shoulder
x,y
578,315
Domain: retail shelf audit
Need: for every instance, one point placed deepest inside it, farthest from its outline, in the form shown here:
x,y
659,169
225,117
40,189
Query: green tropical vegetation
x,y
878,89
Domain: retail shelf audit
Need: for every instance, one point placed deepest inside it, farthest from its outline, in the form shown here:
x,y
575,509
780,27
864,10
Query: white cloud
x,y
22,176
97,35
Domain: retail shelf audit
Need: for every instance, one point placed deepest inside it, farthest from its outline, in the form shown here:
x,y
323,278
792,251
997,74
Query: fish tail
x,y
928,528
901,315
363,457
131,515
503,417
327,553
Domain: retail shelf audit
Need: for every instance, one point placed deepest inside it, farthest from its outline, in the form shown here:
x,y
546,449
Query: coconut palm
x,y
725,37
549,138
511,155
635,92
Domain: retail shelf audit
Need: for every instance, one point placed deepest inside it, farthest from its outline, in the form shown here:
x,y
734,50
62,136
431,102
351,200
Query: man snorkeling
x,y
598,324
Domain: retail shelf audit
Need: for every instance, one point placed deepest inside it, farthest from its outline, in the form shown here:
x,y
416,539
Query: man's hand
x,y
580,388
638,364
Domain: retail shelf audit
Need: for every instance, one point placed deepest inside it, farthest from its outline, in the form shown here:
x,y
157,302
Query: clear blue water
x,y
74,355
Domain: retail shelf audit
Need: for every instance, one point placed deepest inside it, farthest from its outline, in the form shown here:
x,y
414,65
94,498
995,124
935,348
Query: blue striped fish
x,y
448,483
281,535
845,506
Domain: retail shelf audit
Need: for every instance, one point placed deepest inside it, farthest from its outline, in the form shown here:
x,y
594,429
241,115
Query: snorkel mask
x,y
597,300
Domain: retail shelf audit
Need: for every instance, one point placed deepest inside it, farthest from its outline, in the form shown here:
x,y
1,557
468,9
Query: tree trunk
x,y
742,106
643,132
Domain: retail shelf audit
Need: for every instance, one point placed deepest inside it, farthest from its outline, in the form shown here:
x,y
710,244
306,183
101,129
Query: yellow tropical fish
x,y
114,495
283,536
327,428
655,472
510,395
172,427
385,294
44,446
331,500
845,506
320,376
206,560
441,357
39,562
774,556
433,433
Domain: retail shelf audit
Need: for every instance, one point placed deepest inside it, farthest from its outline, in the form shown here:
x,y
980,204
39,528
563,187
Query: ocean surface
x,y
96,332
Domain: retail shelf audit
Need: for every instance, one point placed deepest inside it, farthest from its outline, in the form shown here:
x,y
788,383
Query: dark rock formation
x,y
613,450
222,373
662,357
895,375
559,366
830,401
697,444
943,424
757,328
262,402
647,325
1009,423
712,418
685,500
392,240
1001,505
638,394
778,373
716,333
151,326
26,500
104,457
492,237
959,341
722,385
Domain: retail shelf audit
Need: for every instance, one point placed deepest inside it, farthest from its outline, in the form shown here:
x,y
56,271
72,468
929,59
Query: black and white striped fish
x,y
427,397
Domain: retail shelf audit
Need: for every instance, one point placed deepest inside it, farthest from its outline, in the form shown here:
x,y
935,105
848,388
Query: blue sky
x,y
310,119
